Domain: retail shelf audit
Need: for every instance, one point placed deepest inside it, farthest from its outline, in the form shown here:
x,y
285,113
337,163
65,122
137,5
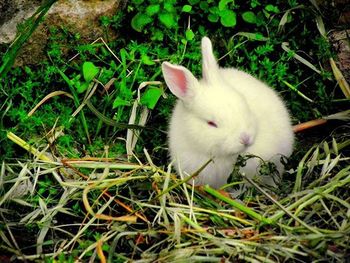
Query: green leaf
x,y
272,8
146,60
151,97
81,87
193,2
223,4
213,18
157,35
286,18
214,10
253,36
89,71
254,3
169,7
152,10
137,2
204,6
189,34
139,21
249,17
120,102
167,19
186,8
228,18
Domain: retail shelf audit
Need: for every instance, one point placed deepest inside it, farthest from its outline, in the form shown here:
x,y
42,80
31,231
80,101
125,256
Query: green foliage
x,y
163,12
153,16
249,17
248,35
139,21
151,97
89,71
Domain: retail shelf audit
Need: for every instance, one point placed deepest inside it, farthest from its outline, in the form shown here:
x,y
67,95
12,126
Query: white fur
x,y
250,118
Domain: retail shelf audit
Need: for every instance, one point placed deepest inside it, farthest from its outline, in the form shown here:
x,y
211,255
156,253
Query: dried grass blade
x,y
284,18
6,240
308,125
28,147
41,237
47,97
99,251
2,175
86,226
108,85
342,115
30,217
130,219
343,84
320,25
22,176
98,165
133,135
109,121
285,47
335,222
127,208
183,181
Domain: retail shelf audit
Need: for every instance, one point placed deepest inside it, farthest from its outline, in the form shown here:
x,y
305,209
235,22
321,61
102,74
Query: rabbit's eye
x,y
212,124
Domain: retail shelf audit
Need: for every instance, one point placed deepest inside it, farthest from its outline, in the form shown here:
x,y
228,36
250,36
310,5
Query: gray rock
x,y
13,12
76,16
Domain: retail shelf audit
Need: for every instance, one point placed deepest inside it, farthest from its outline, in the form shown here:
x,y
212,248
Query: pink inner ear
x,y
180,81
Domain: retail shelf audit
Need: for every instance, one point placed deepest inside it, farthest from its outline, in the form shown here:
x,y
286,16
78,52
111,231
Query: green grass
x,y
139,215
84,171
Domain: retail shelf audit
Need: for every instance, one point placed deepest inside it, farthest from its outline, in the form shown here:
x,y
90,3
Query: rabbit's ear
x,y
179,79
209,64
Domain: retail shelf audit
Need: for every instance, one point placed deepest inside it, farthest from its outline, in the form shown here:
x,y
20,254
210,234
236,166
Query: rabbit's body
x,y
225,114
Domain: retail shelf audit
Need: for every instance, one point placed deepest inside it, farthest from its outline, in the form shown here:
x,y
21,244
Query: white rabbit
x,y
226,113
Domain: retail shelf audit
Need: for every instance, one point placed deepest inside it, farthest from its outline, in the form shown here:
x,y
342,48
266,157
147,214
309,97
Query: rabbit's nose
x,y
245,139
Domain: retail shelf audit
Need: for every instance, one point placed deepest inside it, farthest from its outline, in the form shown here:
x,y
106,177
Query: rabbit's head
x,y
211,115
